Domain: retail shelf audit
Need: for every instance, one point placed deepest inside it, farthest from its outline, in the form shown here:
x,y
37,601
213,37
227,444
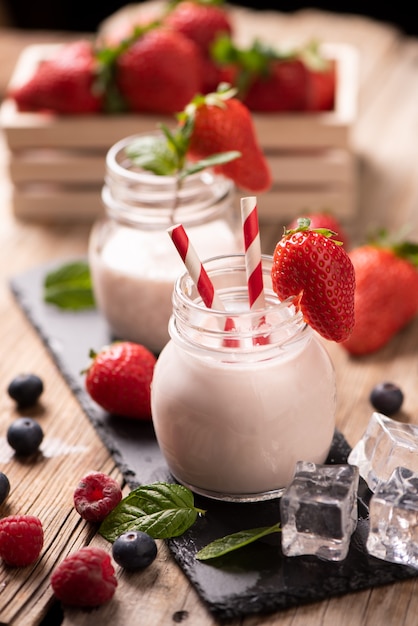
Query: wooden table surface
x,y
385,141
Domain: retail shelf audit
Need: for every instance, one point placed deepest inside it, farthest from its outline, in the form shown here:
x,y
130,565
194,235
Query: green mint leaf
x,y
162,510
155,154
69,286
229,543
211,161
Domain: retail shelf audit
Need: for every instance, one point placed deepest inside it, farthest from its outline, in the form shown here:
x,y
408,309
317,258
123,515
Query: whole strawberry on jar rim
x,y
218,123
309,264
386,296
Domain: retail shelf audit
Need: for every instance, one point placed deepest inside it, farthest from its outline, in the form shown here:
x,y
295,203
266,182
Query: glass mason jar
x,y
234,410
132,259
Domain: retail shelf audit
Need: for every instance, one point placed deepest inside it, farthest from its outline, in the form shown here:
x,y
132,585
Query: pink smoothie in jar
x,y
233,420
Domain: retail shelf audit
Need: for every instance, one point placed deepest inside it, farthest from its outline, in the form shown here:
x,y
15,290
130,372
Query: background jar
x,y
233,412
133,262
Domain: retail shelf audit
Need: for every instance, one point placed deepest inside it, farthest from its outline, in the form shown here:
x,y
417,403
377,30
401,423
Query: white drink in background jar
x,y
232,422
134,272
133,261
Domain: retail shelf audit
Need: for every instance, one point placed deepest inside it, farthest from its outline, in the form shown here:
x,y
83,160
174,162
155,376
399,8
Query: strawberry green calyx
x,y
304,225
256,60
400,247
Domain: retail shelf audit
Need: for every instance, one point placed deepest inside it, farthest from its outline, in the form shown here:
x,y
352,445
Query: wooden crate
x,y
57,162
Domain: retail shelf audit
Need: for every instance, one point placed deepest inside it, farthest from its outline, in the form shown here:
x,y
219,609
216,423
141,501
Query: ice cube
x,y
385,445
319,510
393,534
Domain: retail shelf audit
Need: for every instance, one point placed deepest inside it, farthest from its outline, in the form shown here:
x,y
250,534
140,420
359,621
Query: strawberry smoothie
x,y
232,422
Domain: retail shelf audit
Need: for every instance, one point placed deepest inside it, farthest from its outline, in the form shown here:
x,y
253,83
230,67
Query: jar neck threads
x,y
137,197
239,333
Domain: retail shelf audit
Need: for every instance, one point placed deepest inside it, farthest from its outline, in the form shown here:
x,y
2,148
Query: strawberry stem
x,y
304,224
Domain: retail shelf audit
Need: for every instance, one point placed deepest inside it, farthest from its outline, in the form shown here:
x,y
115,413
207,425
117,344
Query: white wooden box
x,y
57,162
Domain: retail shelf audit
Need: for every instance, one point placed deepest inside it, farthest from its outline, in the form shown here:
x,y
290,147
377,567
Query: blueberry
x,y
25,436
134,550
386,398
25,389
4,487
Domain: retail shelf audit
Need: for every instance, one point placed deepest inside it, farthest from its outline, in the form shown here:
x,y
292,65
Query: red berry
x,y
159,72
222,123
119,379
85,578
96,495
21,539
386,296
282,89
202,23
63,83
311,266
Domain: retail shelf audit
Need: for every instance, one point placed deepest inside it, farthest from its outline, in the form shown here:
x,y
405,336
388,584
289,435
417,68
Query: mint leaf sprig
x,y
166,510
163,510
232,542
69,286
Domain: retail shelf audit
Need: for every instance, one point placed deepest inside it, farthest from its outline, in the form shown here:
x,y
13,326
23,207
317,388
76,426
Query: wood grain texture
x,y
384,139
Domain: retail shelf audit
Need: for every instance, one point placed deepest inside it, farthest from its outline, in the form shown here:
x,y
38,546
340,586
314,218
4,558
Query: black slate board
x,y
256,579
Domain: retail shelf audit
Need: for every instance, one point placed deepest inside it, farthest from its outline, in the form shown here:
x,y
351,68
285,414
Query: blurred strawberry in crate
x,y
202,22
159,72
325,219
386,294
63,84
269,80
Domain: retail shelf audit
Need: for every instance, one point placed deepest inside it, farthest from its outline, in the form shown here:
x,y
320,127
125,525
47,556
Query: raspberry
x,y
85,578
96,495
21,539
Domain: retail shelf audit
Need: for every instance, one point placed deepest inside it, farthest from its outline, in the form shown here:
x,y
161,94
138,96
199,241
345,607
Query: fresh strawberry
x,y
271,80
309,265
324,219
321,88
222,123
282,88
119,379
85,578
63,84
200,22
386,296
159,72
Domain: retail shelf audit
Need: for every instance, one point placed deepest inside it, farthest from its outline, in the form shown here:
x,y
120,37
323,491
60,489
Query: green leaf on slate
x,y
226,544
162,510
70,286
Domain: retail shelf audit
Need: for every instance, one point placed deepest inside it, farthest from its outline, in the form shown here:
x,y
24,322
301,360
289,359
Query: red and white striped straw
x,y
252,247
195,268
